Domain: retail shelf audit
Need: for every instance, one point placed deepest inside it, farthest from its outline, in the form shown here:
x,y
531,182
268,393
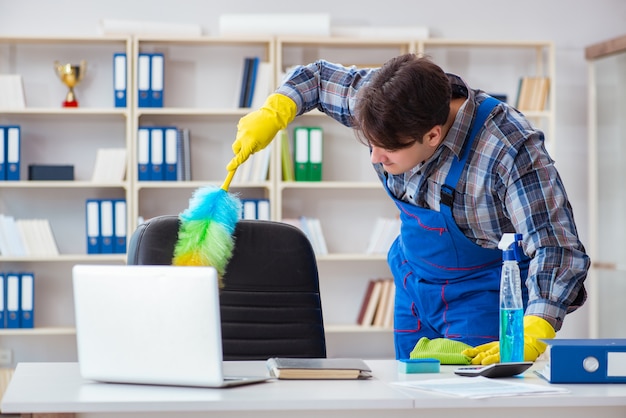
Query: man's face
x,y
402,160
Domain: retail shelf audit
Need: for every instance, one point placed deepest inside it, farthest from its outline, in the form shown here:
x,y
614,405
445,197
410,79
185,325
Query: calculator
x,y
495,369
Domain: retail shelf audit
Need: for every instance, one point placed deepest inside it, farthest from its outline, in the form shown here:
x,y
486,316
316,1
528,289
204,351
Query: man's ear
x,y
434,137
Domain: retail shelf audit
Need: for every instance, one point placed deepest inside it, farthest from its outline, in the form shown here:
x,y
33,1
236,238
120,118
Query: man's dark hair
x,y
407,97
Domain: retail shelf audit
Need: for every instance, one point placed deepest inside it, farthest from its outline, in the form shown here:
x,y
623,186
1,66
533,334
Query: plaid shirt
x,y
509,185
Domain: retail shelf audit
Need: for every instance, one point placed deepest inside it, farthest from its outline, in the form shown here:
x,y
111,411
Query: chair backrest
x,y
270,303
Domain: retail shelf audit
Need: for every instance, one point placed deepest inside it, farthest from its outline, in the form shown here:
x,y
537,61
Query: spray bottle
x,y
511,305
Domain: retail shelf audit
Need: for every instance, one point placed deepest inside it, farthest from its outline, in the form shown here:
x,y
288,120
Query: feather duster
x,y
205,236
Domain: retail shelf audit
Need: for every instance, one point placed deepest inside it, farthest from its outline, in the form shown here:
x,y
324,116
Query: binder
x,y
171,153
2,300
119,231
27,300
263,209
183,157
119,79
156,154
13,300
3,171
157,64
315,153
301,153
143,80
585,361
92,207
251,83
106,226
12,134
143,154
244,81
248,208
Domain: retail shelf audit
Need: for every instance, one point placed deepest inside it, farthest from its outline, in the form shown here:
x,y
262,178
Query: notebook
x,y
150,325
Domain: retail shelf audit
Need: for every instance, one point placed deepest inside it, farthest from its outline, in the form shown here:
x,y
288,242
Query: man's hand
x,y
535,328
257,129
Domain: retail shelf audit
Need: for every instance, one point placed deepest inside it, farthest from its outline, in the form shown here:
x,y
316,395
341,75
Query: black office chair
x,y
270,303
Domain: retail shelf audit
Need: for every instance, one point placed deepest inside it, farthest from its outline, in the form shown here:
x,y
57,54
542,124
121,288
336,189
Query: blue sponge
x,y
418,365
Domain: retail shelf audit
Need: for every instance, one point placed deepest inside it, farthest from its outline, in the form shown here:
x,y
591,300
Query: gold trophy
x,y
70,75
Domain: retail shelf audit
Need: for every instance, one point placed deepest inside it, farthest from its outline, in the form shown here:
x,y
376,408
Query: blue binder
x,y
119,79
171,153
27,300
143,154
2,301
251,82
3,154
143,80
157,154
157,68
119,212
106,226
13,300
12,149
585,361
92,219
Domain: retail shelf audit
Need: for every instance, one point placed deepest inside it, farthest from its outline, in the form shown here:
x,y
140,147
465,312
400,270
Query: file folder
x,y
585,361
156,154
3,171
27,300
119,233
263,209
250,85
119,79
2,301
157,64
12,134
248,208
171,153
106,226
301,153
13,300
143,80
93,226
315,153
143,154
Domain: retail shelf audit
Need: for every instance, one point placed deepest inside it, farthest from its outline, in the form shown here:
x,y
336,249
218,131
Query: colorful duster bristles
x,y
205,236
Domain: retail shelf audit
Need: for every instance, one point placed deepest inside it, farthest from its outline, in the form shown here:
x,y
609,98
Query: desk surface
x,y
58,388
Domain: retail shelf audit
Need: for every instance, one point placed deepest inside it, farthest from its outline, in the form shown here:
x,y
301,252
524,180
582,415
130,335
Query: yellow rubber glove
x,y
535,328
257,129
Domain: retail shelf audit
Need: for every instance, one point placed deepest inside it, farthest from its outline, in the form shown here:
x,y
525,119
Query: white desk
x,y
57,388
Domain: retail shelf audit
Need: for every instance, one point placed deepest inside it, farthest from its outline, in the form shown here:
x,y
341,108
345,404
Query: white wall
x,y
571,24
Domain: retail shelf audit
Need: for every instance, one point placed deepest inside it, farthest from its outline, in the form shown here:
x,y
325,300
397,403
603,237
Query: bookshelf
x,y
202,80
606,62
51,134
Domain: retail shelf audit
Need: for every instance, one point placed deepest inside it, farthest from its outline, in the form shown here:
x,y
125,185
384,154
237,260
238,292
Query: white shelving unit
x,y
607,196
201,88
202,79
51,134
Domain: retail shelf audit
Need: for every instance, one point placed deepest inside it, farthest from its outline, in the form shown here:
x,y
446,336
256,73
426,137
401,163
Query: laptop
x,y
155,325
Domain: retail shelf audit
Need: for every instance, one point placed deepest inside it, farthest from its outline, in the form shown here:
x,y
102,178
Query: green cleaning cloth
x,y
445,350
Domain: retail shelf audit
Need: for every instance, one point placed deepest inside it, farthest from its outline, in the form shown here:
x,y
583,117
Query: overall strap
x,y
447,189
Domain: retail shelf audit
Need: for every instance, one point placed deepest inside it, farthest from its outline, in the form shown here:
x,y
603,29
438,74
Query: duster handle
x,y
229,178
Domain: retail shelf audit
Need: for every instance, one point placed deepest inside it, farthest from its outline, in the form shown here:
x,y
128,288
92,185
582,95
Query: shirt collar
x,y
457,134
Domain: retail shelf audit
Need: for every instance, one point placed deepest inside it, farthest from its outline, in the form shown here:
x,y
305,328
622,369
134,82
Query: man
x,y
463,169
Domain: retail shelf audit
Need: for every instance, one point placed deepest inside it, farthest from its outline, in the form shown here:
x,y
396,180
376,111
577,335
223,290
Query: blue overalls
x,y
446,285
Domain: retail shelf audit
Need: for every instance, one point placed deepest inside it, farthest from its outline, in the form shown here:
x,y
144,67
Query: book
x,y
12,92
364,303
286,158
372,303
318,368
533,93
110,166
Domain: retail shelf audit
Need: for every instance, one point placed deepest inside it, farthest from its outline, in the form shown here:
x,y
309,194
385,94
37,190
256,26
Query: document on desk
x,y
480,387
